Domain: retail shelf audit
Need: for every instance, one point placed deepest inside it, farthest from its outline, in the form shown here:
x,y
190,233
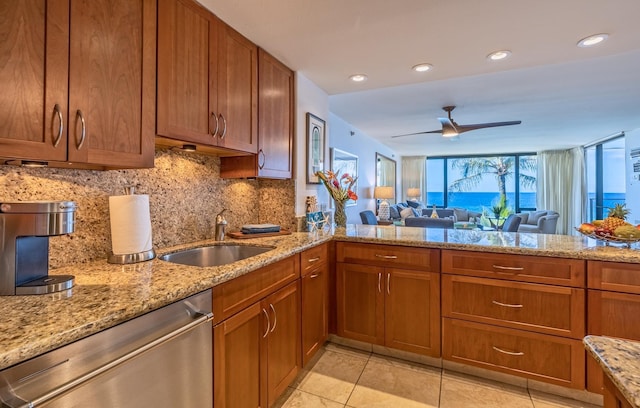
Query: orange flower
x,y
339,187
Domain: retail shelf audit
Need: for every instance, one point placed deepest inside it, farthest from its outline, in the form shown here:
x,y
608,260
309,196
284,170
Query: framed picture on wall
x,y
315,147
345,163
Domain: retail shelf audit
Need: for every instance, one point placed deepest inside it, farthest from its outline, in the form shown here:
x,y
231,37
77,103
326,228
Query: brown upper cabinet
x,y
276,99
78,82
207,80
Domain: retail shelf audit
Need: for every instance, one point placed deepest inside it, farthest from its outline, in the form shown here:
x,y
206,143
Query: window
x,y
605,176
477,182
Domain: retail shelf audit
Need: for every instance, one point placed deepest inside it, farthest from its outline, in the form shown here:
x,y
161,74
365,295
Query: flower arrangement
x,y
339,187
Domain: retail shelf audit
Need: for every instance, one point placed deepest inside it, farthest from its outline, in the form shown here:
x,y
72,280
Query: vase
x,y
339,216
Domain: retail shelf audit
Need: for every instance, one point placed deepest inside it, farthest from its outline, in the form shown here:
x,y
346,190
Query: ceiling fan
x,y
451,129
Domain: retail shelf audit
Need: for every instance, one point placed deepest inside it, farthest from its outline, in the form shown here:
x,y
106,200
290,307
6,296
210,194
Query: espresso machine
x,y
25,228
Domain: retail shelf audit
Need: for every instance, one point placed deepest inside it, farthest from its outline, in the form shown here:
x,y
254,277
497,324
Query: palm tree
x,y
475,168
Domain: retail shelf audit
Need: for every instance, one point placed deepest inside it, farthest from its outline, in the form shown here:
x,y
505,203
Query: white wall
x,y
632,182
365,148
309,98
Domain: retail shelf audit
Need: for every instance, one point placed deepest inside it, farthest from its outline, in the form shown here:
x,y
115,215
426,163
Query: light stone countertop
x,y
105,295
620,361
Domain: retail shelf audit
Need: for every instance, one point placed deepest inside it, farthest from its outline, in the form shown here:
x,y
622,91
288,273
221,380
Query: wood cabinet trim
x,y
425,259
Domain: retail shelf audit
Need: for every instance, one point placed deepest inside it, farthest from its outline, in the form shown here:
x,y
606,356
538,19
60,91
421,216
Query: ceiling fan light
x,y
449,131
358,77
499,55
422,67
592,40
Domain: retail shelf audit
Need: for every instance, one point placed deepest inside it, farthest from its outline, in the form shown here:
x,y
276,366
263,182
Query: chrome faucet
x,y
221,226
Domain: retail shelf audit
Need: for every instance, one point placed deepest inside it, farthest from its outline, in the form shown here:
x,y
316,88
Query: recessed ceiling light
x,y
422,67
592,40
358,77
499,55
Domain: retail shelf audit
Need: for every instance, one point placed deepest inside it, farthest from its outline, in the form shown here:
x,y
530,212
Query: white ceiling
x,y
565,96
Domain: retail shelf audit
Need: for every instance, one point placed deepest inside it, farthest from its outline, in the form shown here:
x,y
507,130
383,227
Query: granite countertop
x,y
620,360
106,294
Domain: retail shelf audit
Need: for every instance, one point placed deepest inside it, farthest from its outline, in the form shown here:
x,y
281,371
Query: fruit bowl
x,y
610,239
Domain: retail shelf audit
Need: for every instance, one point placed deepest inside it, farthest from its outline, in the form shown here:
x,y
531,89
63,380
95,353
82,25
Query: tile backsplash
x,y
185,194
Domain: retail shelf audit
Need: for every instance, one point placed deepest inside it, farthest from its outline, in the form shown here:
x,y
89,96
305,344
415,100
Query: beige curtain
x,y
414,175
562,187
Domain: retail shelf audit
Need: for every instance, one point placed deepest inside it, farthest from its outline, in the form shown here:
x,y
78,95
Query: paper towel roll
x,y
130,224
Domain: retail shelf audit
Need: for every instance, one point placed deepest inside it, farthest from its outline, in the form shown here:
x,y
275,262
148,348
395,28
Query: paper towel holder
x,y
130,258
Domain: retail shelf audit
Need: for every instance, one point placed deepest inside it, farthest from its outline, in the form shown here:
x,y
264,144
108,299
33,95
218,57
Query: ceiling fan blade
x,y
466,128
418,133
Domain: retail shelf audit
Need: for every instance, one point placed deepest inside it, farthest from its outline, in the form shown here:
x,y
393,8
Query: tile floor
x,y
345,377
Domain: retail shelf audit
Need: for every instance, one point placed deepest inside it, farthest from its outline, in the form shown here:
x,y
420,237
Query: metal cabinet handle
x,y
213,115
312,260
314,275
387,256
379,278
57,110
388,283
83,133
508,268
264,159
511,353
268,323
224,122
495,302
275,318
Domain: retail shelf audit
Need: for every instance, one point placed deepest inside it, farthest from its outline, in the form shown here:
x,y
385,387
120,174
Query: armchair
x,y
539,222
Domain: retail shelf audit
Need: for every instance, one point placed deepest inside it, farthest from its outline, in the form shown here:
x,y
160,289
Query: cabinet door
x,y
315,311
283,340
412,311
360,302
33,73
111,82
236,360
275,118
237,90
186,102
610,314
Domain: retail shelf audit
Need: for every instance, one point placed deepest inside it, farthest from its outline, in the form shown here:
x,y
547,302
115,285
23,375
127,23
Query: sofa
x,y
539,222
428,222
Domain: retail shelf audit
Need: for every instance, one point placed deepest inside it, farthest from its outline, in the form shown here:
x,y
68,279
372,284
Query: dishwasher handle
x,y
108,366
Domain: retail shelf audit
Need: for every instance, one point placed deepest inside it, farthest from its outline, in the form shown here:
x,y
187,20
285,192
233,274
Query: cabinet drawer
x,y
236,294
614,276
313,258
424,259
542,308
552,359
525,268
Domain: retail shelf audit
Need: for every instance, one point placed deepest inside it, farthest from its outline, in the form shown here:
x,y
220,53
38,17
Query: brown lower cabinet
x,y
257,350
613,398
393,307
315,300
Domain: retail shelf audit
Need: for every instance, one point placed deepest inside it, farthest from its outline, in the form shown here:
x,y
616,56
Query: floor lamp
x,y
383,193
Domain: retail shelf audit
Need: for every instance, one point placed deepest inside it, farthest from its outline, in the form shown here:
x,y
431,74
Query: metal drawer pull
x,y
314,275
213,114
508,268
224,130
83,133
495,302
316,259
275,318
264,159
268,323
388,283
387,256
511,353
58,110
379,277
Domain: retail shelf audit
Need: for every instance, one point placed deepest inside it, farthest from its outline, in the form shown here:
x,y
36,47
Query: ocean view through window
x,y
477,182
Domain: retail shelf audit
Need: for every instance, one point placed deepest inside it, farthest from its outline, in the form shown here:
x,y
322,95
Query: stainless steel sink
x,y
214,255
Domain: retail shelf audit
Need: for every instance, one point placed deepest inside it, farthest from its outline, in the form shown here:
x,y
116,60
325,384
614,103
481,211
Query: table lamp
x,y
383,193
413,193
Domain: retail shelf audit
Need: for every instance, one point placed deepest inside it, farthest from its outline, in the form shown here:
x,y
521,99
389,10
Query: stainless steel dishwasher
x,y
161,359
